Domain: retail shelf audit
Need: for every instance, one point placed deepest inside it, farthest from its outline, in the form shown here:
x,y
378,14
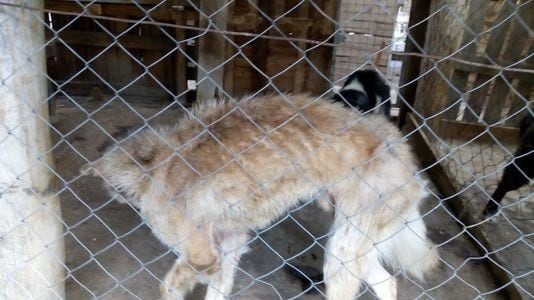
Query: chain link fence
x,y
78,77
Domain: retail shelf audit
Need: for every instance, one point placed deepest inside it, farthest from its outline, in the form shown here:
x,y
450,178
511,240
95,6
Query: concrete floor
x,y
111,254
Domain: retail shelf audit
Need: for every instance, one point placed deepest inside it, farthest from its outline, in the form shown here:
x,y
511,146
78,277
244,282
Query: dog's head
x,y
127,166
132,170
365,90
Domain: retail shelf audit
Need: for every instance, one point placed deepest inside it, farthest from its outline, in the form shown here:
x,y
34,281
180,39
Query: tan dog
x,y
226,169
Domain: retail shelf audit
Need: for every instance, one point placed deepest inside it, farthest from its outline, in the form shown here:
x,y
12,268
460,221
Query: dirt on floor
x,y
112,254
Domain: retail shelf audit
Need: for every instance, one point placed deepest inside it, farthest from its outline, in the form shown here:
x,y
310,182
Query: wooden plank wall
x,y
369,27
82,47
478,94
269,65
137,60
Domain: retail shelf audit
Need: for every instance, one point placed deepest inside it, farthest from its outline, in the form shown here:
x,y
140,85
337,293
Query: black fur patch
x,y
355,99
373,85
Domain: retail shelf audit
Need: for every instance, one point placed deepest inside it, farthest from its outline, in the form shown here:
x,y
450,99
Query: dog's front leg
x,y
199,260
179,280
220,283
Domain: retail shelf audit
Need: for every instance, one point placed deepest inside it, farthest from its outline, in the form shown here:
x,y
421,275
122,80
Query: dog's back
x,y
267,143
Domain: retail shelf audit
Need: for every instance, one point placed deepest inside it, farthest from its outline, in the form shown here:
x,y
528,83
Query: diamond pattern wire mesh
x,y
128,66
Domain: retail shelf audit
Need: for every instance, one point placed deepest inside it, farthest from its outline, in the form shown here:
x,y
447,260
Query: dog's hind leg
x,y
220,284
345,260
350,258
383,283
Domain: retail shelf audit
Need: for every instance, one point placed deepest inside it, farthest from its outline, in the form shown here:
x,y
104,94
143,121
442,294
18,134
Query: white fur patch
x,y
355,85
409,249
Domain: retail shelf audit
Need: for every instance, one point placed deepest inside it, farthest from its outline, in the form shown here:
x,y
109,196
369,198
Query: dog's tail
x,y
408,248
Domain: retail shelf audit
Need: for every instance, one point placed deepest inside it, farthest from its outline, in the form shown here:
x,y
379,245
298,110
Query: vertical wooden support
x,y
322,57
261,49
121,70
496,101
229,71
211,49
477,98
412,64
31,232
300,69
229,51
181,61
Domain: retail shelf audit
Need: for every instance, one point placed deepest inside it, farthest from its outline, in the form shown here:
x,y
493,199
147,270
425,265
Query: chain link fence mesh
x,y
124,66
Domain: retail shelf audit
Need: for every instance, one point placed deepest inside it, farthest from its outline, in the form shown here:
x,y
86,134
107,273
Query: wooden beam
x,y
477,98
245,22
181,60
295,24
300,69
261,49
65,6
211,50
115,9
528,77
411,65
102,39
229,67
229,70
83,87
141,2
451,129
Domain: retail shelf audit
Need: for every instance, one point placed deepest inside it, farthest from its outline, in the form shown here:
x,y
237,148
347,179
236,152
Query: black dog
x,y
365,90
520,170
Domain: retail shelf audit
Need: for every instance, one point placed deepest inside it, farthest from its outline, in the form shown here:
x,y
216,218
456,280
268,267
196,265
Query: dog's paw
x,y
168,293
491,215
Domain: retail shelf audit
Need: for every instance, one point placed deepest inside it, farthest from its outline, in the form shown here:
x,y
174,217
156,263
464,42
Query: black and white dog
x,y
366,91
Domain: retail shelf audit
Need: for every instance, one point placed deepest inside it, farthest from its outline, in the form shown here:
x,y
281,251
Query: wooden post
x,y
411,65
31,232
211,49
261,49
181,60
229,50
300,69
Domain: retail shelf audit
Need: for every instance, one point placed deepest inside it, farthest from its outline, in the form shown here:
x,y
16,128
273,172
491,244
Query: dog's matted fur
x,y
226,169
